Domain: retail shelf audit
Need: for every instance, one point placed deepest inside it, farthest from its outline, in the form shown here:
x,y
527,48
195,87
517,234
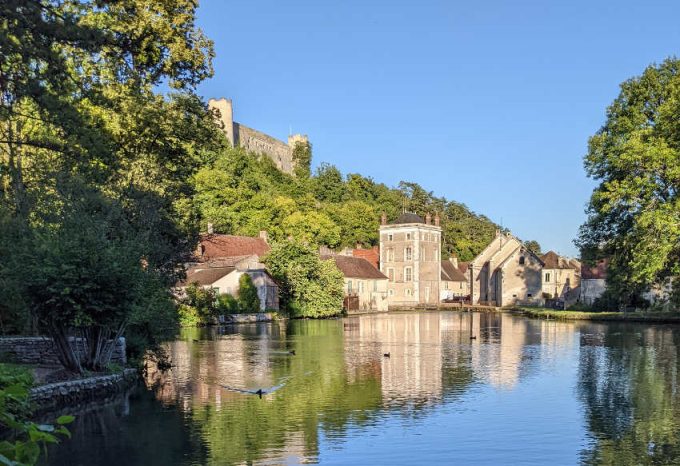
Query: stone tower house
x,y
256,141
410,256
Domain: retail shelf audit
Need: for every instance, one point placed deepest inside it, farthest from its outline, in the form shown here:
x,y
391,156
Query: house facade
x,y
593,281
505,273
560,275
365,286
410,256
454,283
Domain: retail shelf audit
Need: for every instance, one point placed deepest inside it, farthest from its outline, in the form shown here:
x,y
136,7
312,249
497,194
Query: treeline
x,y
242,193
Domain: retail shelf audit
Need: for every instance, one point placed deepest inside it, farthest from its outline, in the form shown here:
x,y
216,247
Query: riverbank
x,y
544,313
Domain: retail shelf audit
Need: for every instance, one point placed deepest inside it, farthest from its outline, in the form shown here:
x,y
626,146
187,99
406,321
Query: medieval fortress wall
x,y
256,141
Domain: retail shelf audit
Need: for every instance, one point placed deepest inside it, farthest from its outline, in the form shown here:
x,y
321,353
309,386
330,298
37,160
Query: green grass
x,y
11,374
544,313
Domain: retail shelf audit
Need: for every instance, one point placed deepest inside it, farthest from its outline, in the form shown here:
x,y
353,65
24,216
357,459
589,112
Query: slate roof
x,y
205,276
356,267
554,261
219,246
597,272
408,217
451,274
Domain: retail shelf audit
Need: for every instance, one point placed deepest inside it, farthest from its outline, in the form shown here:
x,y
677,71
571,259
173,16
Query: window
x,y
390,274
408,274
409,292
529,295
349,286
390,255
390,237
408,254
361,286
547,277
435,256
408,236
375,285
521,260
390,293
461,285
446,285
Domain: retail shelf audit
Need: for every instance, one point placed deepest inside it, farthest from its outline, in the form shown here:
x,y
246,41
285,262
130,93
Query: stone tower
x,y
226,118
410,256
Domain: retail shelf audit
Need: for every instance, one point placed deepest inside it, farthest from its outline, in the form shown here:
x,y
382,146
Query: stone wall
x,y
40,350
56,396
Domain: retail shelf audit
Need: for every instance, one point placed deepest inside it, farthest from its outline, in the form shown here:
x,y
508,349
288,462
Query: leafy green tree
x,y
634,213
534,246
312,227
248,300
302,159
309,287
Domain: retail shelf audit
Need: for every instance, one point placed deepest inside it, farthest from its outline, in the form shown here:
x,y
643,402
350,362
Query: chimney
x,y
454,260
428,219
436,219
383,219
211,230
264,236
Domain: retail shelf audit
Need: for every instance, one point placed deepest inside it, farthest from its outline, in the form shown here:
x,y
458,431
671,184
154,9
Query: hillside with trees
x,y
242,193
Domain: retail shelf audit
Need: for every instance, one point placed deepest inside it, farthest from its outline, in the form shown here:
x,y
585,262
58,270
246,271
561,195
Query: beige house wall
x,y
267,289
372,293
424,264
483,269
449,289
520,283
556,282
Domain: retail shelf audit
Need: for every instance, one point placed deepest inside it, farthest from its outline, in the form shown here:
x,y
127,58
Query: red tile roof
x,y
355,267
597,272
463,266
219,246
371,255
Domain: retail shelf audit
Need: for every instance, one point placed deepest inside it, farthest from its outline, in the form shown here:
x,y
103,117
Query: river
x,y
520,391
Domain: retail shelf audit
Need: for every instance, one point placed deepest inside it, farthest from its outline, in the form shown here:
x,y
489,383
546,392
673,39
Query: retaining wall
x,y
40,350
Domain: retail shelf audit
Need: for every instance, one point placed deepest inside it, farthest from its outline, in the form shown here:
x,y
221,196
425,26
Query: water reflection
x,y
474,387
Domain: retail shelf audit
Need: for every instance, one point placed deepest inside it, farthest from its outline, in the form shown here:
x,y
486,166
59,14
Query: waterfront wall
x,y
55,396
40,350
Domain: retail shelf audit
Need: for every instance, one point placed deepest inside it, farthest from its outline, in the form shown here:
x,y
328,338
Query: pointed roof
x,y
355,267
204,276
553,261
218,246
451,273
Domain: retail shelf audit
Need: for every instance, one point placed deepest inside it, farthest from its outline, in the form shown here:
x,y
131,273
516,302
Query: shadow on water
x,y
237,395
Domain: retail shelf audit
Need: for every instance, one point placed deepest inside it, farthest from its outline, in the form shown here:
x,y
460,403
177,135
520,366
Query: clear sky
x,y
485,102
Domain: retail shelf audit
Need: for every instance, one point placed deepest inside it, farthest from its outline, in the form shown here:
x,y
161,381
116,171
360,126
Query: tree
x,y
634,213
534,246
309,287
248,300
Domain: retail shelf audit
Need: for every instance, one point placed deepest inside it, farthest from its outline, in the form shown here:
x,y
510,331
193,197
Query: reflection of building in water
x,y
201,367
413,370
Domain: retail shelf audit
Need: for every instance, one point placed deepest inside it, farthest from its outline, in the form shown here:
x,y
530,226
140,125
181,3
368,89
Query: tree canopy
x,y
634,213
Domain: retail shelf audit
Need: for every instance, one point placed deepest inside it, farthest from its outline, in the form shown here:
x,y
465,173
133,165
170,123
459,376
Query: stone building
x,y
505,273
363,282
410,256
593,281
256,141
560,275
454,282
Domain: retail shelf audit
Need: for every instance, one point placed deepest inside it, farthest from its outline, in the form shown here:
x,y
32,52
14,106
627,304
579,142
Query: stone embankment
x,y
40,350
56,396
247,318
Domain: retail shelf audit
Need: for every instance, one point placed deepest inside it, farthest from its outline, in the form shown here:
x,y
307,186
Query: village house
x,y
560,275
365,286
221,260
410,256
505,273
454,282
593,281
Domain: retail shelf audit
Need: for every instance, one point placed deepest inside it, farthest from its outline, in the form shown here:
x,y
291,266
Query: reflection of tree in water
x,y
628,382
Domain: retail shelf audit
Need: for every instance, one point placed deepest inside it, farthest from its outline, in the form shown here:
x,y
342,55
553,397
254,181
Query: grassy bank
x,y
544,313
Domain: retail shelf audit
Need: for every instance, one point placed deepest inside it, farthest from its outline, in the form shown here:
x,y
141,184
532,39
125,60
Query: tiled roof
x,y
371,255
205,276
463,266
219,246
451,273
408,217
355,267
598,271
554,261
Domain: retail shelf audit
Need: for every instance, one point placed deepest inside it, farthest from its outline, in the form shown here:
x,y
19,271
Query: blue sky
x,y
486,102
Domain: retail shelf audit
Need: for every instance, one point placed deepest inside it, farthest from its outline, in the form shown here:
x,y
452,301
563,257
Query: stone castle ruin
x,y
255,141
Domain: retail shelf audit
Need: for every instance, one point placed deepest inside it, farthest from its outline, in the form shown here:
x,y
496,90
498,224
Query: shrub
x,y
248,300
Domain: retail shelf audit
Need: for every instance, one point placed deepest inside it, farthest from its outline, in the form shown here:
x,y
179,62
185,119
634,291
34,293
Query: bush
x,y
248,300
227,304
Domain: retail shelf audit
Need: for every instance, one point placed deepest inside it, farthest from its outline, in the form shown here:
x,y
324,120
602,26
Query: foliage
x,y
24,440
248,300
199,307
534,246
309,286
227,304
634,213
302,159
242,193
